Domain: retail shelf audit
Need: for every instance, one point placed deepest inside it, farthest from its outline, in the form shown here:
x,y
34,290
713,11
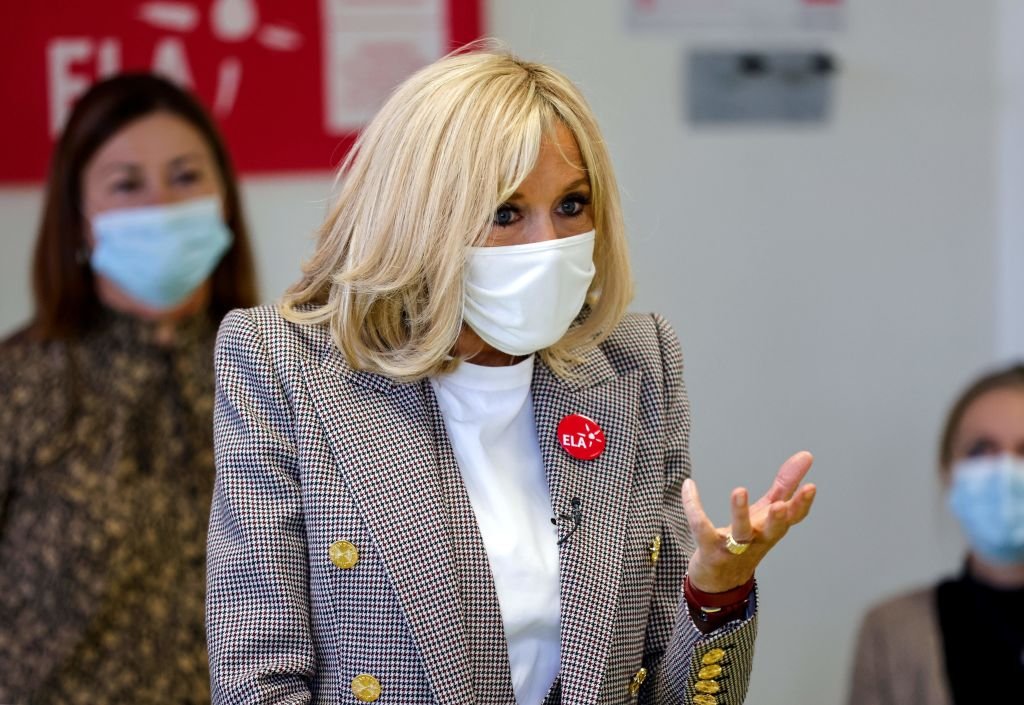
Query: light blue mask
x,y
160,254
987,496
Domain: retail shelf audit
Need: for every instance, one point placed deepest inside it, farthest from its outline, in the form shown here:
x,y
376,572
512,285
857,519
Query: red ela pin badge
x,y
581,437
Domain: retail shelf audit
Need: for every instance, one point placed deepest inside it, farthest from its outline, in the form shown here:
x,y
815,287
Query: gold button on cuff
x,y
343,554
713,656
703,699
655,548
365,687
638,680
707,686
709,672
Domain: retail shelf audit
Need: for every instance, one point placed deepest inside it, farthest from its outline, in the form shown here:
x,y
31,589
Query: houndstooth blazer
x,y
311,452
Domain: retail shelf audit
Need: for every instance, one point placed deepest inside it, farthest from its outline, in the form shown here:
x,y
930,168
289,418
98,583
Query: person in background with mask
x,y
106,404
453,374
962,641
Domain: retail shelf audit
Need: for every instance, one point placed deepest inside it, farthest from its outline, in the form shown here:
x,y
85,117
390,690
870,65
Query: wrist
x,y
711,610
718,576
715,601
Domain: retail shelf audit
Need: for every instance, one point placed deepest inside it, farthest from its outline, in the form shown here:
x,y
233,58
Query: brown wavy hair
x,y
66,304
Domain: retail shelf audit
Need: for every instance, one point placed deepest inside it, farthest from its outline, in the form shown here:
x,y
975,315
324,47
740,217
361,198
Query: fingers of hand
x,y
782,515
800,506
703,529
762,527
777,522
791,473
741,529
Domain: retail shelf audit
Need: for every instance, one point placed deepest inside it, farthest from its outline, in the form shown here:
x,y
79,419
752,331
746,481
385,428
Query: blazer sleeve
x,y
692,667
257,605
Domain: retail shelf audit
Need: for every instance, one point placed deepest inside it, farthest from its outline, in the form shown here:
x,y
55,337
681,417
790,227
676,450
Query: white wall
x,y
832,287
1010,160
19,218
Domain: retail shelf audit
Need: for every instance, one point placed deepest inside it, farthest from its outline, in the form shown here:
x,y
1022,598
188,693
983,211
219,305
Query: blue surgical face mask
x,y
987,496
160,254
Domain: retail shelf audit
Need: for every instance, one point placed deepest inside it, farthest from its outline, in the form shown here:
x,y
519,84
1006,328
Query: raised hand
x,y
719,564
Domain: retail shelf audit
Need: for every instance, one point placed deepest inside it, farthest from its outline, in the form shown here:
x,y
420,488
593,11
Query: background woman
x,y
454,372
106,462
962,641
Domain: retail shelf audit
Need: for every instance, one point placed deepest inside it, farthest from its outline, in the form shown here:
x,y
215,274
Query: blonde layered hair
x,y
421,186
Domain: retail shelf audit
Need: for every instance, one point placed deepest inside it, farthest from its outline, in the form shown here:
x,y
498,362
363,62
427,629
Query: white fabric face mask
x,y
523,298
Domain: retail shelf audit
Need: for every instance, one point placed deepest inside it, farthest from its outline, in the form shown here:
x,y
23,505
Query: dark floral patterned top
x,y
106,475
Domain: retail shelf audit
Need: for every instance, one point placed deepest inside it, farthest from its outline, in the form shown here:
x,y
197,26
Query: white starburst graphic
x,y
232,22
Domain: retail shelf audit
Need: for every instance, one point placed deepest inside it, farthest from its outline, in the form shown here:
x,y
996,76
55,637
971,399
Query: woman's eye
x,y
573,205
504,216
981,448
187,178
126,186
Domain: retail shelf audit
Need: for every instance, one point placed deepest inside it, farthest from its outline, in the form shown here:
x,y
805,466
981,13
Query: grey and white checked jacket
x,y
310,452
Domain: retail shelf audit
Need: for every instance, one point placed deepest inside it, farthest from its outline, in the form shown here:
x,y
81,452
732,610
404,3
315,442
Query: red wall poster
x,y
290,82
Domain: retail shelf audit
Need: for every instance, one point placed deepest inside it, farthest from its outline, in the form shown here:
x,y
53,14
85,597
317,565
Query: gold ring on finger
x,y
735,547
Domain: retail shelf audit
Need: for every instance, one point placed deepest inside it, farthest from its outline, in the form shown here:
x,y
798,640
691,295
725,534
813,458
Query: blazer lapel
x,y
590,562
383,438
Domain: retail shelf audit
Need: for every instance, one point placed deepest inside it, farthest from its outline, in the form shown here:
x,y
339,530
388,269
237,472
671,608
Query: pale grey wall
x,y
1010,161
832,287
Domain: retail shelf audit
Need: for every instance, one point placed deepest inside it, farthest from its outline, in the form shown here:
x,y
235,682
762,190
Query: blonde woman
x,y
451,468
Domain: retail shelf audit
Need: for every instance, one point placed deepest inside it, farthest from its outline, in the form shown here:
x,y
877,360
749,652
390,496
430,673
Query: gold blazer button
x,y
713,656
707,687
709,672
366,688
344,555
703,699
655,548
638,680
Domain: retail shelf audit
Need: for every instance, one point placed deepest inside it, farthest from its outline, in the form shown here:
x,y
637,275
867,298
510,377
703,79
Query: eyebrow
x,y
133,166
190,156
114,166
582,181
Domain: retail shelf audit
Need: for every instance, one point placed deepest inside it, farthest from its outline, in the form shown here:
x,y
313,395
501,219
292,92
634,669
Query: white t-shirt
x,y
488,413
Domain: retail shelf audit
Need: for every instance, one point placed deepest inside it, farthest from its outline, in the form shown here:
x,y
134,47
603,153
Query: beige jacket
x,y
899,658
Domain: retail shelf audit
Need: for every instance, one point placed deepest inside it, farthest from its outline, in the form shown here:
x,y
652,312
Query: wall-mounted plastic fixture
x,y
750,87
